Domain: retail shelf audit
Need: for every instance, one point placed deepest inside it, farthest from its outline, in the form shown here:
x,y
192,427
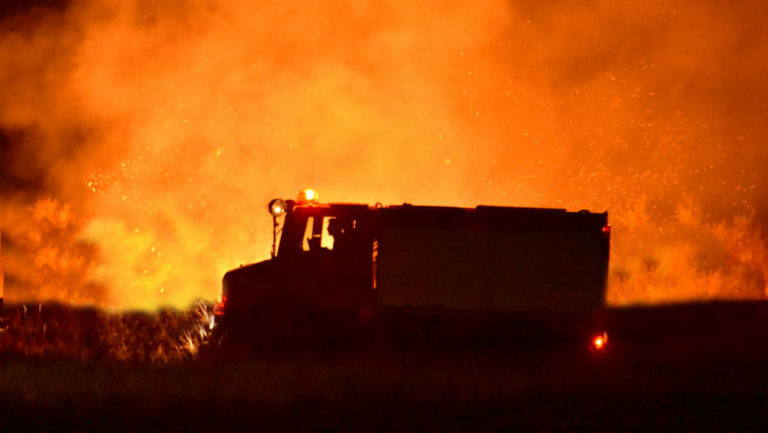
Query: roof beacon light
x,y
308,195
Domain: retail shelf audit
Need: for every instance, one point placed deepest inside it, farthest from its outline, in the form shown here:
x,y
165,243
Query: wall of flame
x,y
140,140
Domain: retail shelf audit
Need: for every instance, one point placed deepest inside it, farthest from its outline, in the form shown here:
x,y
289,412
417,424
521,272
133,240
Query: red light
x,y
606,229
599,341
218,309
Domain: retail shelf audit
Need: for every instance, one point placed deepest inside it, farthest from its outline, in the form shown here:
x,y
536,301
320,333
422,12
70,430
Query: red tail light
x,y
218,309
599,341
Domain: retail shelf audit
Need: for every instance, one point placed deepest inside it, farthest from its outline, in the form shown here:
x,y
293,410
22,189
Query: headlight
x,y
277,207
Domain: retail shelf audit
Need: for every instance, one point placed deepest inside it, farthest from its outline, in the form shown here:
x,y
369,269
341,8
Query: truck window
x,y
345,234
307,239
327,240
317,235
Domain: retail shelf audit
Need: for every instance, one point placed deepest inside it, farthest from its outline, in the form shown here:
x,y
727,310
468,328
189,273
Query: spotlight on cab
x,y
277,207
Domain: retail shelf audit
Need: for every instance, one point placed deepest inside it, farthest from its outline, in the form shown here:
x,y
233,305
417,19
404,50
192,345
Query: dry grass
x,y
87,370
50,331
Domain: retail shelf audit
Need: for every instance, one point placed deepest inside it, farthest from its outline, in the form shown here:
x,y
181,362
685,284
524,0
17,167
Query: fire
x,y
140,140
58,331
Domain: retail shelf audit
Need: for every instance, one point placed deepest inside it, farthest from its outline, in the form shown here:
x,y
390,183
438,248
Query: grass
x,y
50,331
118,388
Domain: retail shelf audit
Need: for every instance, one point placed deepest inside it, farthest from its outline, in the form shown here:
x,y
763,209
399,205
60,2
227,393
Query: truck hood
x,y
245,286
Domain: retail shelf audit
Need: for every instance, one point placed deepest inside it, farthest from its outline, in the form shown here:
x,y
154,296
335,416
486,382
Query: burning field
x,y
90,370
140,141
55,331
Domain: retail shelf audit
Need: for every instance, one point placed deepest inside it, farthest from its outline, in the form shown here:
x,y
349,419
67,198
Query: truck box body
x,y
491,258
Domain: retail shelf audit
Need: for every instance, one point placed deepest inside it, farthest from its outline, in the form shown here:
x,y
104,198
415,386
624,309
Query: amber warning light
x,y
308,195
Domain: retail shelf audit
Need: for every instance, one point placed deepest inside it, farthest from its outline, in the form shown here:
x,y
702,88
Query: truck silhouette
x,y
339,268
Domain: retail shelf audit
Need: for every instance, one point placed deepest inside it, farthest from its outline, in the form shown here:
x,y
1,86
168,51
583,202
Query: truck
x,y
338,269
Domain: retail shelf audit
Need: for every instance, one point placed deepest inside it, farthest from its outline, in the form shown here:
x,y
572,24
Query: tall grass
x,y
61,331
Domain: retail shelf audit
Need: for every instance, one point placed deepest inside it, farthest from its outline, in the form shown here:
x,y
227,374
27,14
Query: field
x,y
66,369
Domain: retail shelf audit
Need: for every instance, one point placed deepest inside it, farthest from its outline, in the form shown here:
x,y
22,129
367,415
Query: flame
x,y
58,331
140,140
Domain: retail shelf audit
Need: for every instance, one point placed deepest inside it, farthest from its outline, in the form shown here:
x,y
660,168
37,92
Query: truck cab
x,y
323,265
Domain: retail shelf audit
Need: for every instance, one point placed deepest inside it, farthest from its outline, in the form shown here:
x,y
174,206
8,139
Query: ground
x,y
653,385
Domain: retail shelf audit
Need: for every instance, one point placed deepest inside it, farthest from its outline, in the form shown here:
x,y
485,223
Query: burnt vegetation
x,y
663,370
57,331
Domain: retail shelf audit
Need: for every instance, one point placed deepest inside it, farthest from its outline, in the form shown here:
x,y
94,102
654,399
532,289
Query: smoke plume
x,y
141,140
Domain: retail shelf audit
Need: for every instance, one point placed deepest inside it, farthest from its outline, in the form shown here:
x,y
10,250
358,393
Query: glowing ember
x,y
56,331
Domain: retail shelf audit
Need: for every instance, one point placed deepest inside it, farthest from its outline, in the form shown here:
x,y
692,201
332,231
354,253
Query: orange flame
x,y
140,140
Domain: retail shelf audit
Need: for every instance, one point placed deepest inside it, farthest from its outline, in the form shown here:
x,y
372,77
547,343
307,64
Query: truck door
x,y
336,259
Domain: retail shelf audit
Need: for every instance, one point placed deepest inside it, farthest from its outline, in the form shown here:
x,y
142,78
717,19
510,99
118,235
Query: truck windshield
x,y
316,234
329,232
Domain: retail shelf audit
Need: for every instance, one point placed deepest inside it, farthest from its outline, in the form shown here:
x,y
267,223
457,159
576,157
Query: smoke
x,y
140,140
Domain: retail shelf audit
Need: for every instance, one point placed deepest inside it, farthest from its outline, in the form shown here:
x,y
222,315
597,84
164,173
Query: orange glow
x,y
218,309
307,195
140,140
